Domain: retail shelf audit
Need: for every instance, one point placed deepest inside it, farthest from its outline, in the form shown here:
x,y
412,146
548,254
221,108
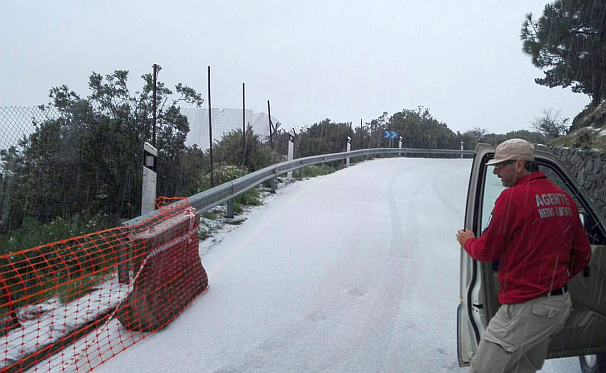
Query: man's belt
x,y
560,291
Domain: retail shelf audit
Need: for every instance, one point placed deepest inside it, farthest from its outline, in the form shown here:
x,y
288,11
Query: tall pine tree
x,y
569,40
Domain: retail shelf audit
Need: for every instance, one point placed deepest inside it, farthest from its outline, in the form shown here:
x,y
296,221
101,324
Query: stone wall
x,y
589,167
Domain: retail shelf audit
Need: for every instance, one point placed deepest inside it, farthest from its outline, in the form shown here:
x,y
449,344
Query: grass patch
x,y
252,197
584,138
234,222
79,287
315,170
212,214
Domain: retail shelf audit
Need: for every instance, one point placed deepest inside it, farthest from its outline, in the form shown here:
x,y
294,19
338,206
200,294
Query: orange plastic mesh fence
x,y
73,304
165,201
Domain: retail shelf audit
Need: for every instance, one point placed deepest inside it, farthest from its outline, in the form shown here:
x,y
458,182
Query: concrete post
x,y
148,196
291,152
348,150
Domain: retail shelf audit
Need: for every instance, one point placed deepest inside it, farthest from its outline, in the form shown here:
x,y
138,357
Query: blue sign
x,y
390,134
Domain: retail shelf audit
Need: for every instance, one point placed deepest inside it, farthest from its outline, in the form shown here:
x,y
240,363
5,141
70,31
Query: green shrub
x,y
212,214
584,138
33,233
252,197
222,174
315,170
77,288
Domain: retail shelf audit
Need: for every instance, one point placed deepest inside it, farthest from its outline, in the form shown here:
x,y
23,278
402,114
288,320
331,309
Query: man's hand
x,y
463,235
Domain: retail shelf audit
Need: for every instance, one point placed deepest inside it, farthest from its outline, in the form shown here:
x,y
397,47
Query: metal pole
x,y
243,124
210,133
270,126
155,76
361,137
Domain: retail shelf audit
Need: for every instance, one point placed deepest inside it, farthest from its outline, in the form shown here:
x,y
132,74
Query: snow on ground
x,y
45,323
351,272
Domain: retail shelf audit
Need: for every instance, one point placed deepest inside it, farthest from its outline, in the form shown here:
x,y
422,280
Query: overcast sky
x,y
343,60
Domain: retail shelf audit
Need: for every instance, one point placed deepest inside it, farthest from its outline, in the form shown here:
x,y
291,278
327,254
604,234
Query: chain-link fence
x,y
19,122
71,168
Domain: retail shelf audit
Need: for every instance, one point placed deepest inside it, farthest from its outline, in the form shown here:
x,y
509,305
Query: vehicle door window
x,y
493,188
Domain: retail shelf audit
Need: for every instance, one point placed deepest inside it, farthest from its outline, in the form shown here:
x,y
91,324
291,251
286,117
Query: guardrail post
x,y
230,209
348,150
461,149
400,145
272,182
291,150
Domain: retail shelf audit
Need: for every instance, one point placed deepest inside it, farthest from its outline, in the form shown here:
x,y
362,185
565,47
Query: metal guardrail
x,y
210,198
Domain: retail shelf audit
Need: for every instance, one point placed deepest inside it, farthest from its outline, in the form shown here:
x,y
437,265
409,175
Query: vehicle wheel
x,y
593,363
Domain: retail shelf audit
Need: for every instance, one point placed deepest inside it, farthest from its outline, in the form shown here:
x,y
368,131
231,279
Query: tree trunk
x,y
597,91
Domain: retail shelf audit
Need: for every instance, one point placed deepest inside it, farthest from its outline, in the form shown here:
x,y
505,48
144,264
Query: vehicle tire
x,y
593,363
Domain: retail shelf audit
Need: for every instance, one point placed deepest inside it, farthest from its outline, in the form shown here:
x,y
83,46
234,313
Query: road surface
x,y
351,272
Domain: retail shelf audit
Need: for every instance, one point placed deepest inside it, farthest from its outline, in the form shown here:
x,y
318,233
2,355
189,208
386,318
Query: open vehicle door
x,y
585,331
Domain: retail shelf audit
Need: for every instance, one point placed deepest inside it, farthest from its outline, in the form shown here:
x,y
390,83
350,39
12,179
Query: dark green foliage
x,y
569,42
225,173
68,269
325,137
86,159
481,135
251,197
33,233
253,154
419,129
318,170
222,174
533,137
584,138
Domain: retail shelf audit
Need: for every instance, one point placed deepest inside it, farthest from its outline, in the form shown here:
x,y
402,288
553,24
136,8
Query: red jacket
x,y
537,236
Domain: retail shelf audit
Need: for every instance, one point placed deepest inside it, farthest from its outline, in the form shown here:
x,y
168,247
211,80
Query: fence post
x,y
148,195
291,151
348,150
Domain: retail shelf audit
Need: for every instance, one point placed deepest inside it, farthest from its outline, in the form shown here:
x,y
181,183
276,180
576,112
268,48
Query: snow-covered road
x,y
351,272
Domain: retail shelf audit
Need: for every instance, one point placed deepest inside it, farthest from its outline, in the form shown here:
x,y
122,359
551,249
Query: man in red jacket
x,y
536,235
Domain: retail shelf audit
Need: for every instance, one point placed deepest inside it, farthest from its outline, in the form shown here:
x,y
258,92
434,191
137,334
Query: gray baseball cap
x,y
511,150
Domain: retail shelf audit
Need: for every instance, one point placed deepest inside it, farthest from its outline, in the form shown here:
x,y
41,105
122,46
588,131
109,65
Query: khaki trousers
x,y
518,336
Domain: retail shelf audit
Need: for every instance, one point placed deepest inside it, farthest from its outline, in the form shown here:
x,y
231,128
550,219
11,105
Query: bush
x,y
33,233
222,174
314,170
584,138
250,198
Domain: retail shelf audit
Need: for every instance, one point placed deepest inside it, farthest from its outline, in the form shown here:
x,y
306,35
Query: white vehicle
x,y
584,334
